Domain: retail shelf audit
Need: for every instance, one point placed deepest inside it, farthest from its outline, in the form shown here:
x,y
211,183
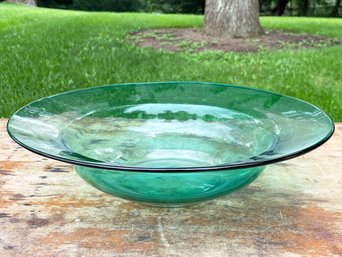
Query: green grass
x,y
45,51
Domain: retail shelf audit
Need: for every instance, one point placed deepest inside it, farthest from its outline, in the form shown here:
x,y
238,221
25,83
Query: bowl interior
x,y
176,126
169,135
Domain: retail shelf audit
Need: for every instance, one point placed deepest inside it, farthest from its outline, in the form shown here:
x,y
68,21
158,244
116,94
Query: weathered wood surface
x,y
293,209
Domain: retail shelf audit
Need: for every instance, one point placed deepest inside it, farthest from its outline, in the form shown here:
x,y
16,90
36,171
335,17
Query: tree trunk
x,y
232,18
28,2
334,12
304,7
280,8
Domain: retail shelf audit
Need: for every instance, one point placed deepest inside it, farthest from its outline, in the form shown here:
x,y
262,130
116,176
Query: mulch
x,y
194,40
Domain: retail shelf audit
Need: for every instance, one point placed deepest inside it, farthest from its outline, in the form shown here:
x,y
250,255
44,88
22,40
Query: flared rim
x,y
229,166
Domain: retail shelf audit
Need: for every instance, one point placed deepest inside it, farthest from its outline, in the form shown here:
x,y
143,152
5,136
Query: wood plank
x,y
293,209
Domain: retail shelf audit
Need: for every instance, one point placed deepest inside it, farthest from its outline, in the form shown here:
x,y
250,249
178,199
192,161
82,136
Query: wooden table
x,y
293,209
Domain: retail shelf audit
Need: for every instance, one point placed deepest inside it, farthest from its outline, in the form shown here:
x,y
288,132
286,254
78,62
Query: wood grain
x,y
293,209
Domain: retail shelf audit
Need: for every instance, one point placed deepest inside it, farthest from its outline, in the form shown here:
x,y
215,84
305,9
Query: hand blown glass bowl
x,y
171,143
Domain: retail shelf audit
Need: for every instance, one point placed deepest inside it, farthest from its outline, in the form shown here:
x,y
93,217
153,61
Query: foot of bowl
x,y
168,189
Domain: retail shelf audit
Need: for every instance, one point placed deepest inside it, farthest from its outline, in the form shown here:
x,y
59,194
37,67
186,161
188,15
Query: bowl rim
x,y
231,166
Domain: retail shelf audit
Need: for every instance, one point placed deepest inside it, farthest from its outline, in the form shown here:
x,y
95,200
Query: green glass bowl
x,y
170,143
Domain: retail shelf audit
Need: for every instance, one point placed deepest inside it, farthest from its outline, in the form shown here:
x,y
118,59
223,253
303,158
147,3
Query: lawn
x,y
46,51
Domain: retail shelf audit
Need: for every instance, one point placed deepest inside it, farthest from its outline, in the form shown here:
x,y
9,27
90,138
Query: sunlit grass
x,y
45,51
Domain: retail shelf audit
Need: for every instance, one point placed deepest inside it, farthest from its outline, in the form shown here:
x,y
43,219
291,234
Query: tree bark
x,y
28,2
334,12
280,8
232,18
304,8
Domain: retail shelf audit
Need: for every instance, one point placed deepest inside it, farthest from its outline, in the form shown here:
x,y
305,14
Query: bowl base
x,y
168,189
169,205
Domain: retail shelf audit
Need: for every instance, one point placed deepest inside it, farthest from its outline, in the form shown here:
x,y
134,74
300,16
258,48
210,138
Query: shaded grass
x,y
45,51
